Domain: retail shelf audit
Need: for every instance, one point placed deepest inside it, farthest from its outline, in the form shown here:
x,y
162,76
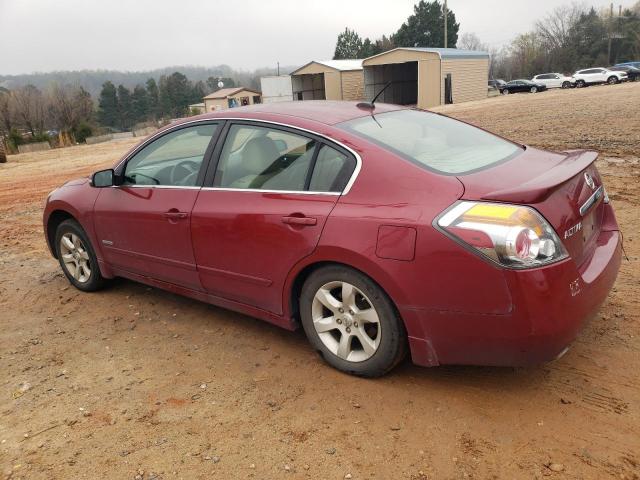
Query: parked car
x,y
496,83
522,85
633,74
590,76
629,64
554,80
378,234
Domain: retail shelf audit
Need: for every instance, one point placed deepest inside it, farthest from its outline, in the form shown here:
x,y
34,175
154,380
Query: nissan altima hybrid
x,y
381,230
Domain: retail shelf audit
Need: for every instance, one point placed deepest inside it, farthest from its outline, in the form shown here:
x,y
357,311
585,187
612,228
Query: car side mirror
x,y
103,178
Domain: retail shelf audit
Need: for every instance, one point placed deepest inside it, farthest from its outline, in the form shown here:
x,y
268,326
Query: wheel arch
x,y
56,217
354,261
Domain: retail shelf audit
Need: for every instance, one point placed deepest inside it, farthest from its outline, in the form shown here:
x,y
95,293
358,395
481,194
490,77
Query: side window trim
x,y
206,159
320,142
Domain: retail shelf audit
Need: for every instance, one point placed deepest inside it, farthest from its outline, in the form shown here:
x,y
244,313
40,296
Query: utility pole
x,y
278,68
445,23
610,28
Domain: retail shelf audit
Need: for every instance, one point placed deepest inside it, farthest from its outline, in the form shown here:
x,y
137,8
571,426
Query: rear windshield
x,y
434,141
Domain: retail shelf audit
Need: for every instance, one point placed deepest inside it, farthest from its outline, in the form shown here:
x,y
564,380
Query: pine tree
x,y
125,113
108,105
348,45
140,104
425,28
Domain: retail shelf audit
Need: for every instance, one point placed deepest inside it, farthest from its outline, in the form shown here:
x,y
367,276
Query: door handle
x,y
294,220
175,215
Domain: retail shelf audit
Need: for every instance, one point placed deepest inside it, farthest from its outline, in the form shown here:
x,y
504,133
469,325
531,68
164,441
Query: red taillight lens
x,y
512,235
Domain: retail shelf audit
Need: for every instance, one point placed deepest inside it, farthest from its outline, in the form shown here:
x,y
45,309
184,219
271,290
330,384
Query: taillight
x,y
511,235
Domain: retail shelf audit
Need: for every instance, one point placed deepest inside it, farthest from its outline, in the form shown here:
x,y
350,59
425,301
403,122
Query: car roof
x,y
321,111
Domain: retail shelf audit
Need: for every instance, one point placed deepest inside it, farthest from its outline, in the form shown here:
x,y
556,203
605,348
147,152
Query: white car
x,y
591,76
554,80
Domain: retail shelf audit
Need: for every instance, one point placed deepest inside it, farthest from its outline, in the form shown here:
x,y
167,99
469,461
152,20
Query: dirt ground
x,y
133,382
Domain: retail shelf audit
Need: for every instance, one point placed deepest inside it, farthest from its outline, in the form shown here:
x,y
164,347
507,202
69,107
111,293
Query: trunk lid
x,y
564,187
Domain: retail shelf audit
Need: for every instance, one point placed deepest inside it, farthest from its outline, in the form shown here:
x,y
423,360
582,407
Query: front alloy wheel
x,y
534,89
75,257
351,321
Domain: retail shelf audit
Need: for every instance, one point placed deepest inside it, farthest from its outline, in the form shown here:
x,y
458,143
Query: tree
x,y
154,102
6,122
368,49
125,111
3,155
28,108
175,93
470,41
140,104
108,105
348,45
425,28
69,106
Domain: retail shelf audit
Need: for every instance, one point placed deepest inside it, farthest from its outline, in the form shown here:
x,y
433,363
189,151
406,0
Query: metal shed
x,y
427,77
328,80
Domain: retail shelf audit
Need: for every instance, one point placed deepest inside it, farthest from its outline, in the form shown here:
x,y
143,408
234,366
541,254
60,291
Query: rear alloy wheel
x,y
77,258
351,322
580,84
533,89
612,80
566,84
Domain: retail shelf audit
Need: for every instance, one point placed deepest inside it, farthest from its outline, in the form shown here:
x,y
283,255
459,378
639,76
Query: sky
x,y
48,35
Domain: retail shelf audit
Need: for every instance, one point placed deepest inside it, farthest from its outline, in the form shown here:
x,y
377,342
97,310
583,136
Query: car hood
x,y
76,182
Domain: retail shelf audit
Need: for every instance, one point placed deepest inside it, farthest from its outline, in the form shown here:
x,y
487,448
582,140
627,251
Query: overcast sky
x,y
46,35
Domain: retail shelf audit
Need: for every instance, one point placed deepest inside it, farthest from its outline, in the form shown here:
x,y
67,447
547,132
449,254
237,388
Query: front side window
x,y
433,141
174,159
264,158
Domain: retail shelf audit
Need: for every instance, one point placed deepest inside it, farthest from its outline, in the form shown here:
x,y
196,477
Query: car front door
x,y
143,224
263,208
554,81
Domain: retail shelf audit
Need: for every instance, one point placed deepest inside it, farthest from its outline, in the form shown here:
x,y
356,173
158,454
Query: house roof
x,y
227,92
340,65
444,53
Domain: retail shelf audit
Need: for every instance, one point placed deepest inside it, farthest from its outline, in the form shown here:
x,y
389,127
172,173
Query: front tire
x,y
351,322
580,84
534,89
77,257
505,91
566,84
612,80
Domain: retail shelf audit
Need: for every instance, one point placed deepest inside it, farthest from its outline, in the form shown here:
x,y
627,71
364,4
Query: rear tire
x,y
580,84
351,322
77,257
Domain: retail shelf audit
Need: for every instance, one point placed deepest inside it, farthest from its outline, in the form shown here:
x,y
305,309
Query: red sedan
x,y
378,230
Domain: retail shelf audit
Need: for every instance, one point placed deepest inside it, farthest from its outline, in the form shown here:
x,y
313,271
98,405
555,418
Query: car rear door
x,y
263,208
143,225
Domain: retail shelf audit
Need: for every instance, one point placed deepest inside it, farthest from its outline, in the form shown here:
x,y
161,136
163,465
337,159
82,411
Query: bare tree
x,y
3,155
554,30
470,41
69,106
28,108
6,122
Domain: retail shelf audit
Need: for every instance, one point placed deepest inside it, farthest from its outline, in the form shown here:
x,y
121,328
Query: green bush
x,y
82,131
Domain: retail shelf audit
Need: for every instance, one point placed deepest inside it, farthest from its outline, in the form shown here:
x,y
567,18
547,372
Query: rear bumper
x,y
550,307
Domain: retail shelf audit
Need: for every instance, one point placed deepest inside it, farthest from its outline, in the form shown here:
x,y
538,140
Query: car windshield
x,y
433,141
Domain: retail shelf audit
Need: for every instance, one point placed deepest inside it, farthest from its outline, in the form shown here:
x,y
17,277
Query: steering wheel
x,y
183,172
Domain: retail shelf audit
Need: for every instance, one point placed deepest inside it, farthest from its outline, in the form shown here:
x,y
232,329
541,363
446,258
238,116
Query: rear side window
x,y
265,159
435,142
332,171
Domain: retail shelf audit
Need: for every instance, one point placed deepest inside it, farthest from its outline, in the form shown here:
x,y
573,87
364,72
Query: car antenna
x,y
371,105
